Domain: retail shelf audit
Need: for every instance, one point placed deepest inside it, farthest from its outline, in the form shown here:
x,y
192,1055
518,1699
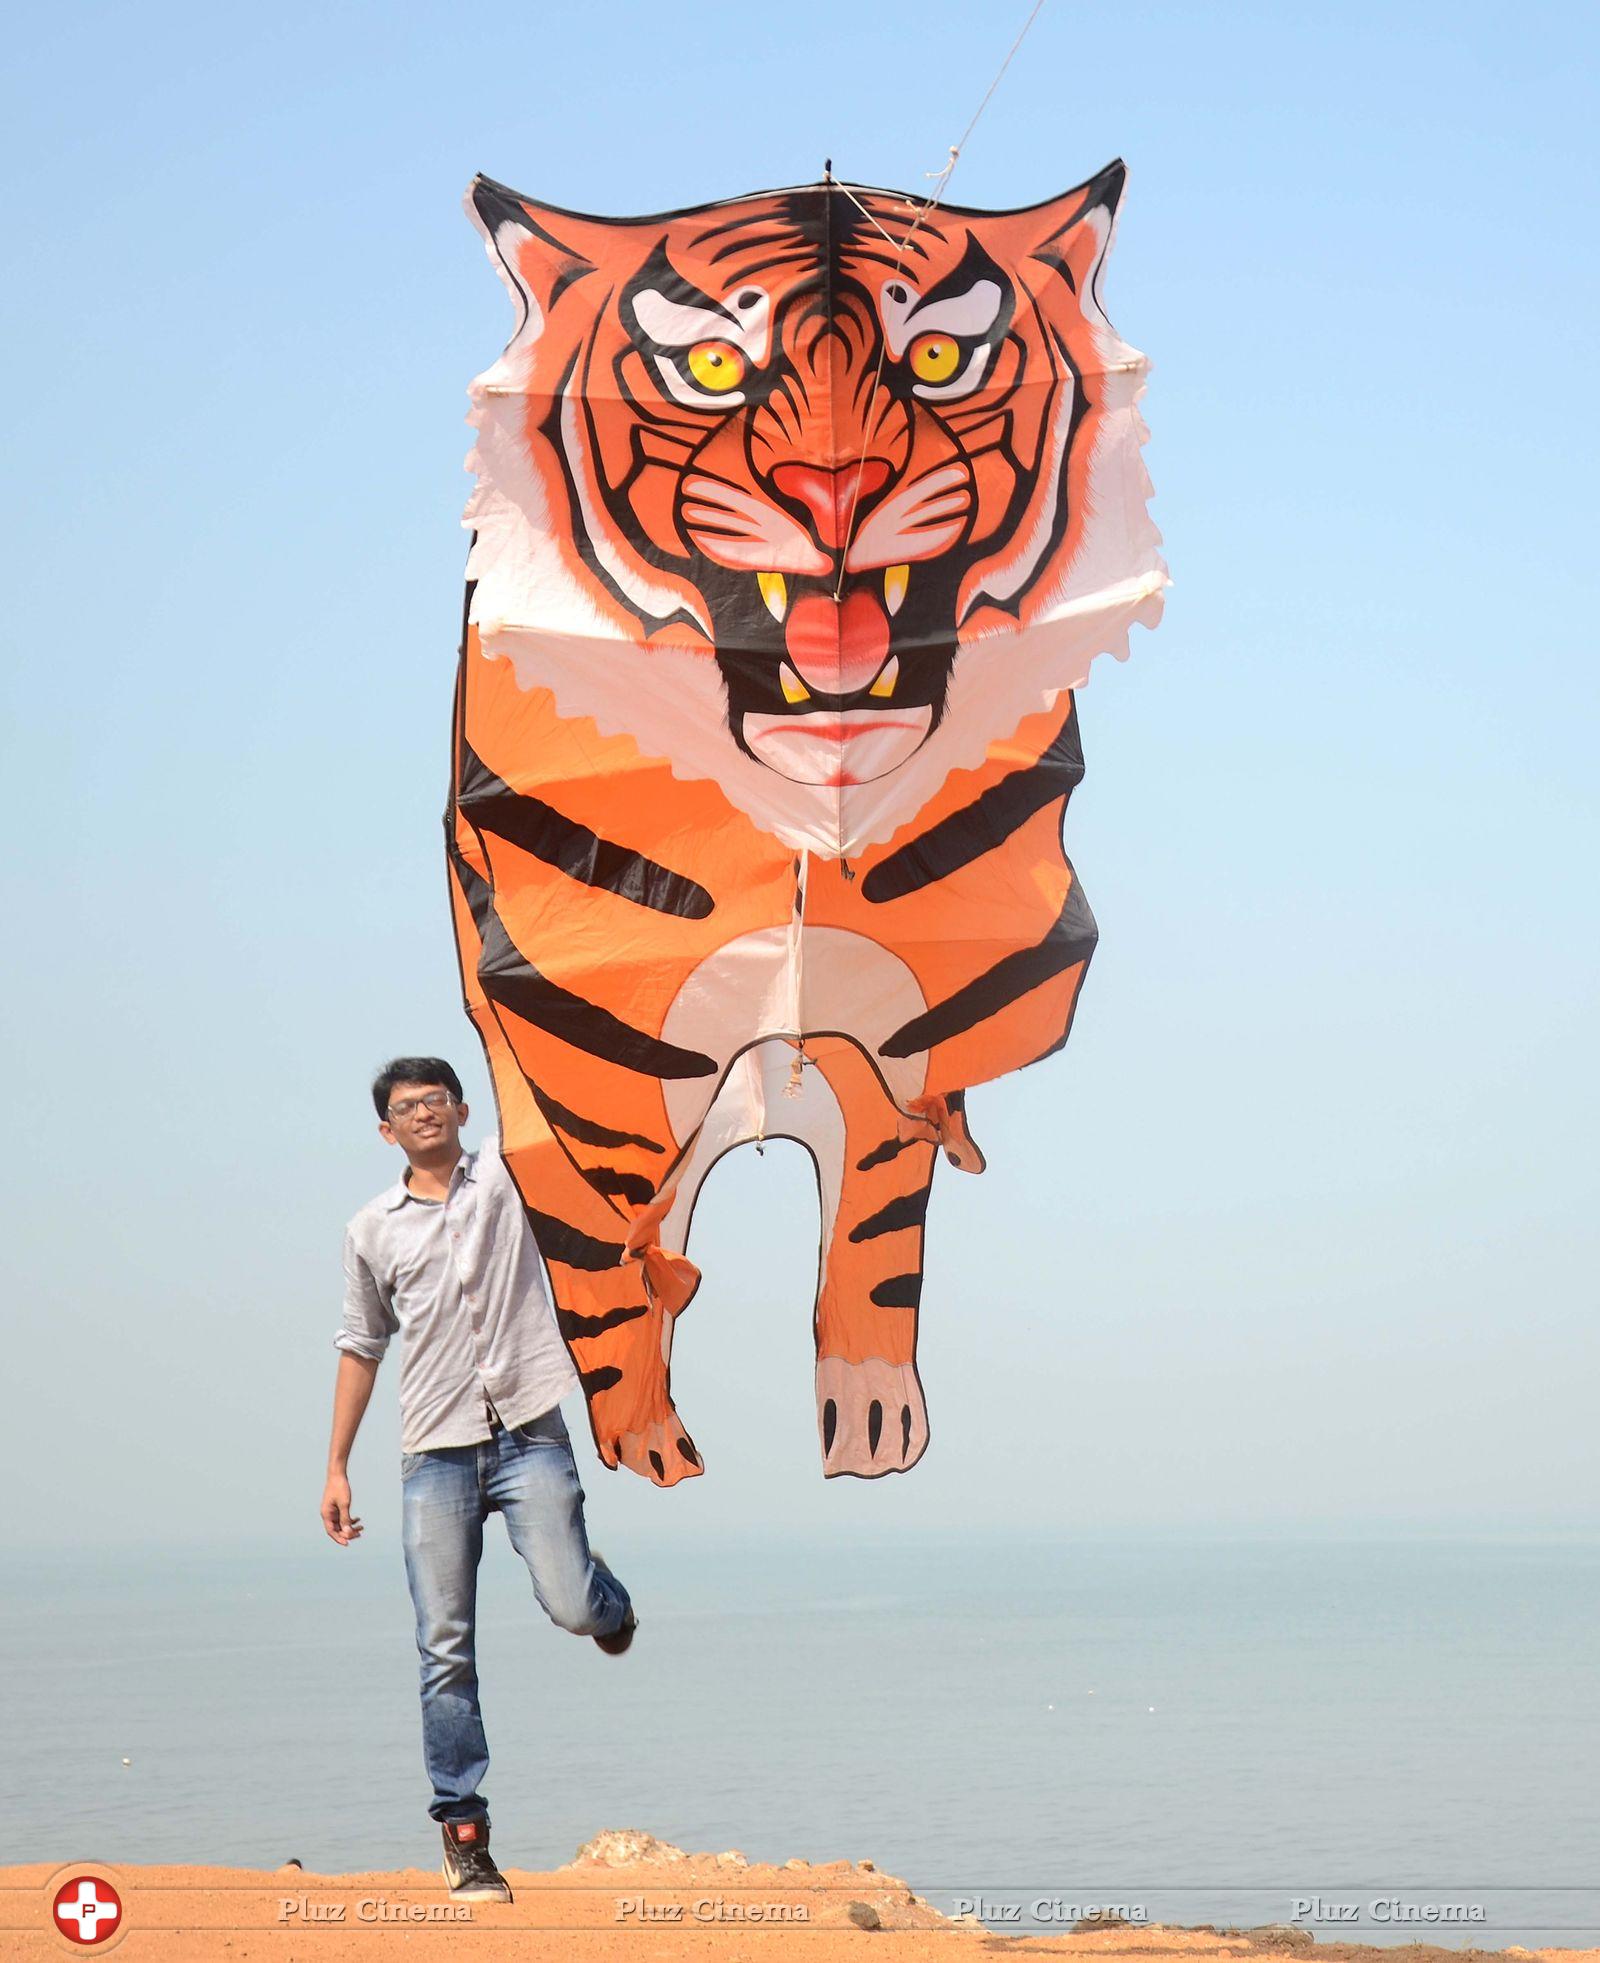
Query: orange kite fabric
x,y
798,519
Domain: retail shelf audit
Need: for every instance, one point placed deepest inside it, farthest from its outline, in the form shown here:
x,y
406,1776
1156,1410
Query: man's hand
x,y
337,1519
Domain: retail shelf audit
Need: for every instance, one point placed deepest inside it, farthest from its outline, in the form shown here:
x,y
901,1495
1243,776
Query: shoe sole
x,y
628,1628
620,1641
469,1893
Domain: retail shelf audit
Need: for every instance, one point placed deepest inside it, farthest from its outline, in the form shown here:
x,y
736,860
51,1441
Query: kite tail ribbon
x,y
669,1279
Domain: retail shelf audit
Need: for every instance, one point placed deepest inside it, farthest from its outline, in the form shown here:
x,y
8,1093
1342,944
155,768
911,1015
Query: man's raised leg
x,y
535,1484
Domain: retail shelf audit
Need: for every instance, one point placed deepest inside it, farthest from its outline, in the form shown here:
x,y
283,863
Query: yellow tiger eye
x,y
716,366
935,357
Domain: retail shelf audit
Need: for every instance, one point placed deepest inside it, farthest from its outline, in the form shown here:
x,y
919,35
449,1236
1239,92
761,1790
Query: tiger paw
x,y
945,1119
662,1451
870,1416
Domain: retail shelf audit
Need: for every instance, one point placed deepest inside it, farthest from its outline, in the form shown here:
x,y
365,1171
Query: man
x,y
446,1258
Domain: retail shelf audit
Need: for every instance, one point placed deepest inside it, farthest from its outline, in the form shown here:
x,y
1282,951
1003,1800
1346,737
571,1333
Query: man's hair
x,y
413,1070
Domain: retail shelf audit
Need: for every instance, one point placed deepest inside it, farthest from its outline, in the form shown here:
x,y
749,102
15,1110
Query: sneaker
x,y
469,1866
621,1639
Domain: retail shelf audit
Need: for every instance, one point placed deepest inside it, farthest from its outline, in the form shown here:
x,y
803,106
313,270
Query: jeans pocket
x,y
549,1428
409,1461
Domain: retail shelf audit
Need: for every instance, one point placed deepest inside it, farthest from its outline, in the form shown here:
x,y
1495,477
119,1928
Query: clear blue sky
x,y
1299,1232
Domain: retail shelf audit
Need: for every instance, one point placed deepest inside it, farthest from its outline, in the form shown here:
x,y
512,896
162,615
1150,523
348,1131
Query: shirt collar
x,y
397,1195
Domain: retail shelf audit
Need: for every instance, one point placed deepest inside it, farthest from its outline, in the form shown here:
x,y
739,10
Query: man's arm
x,y
369,1322
351,1390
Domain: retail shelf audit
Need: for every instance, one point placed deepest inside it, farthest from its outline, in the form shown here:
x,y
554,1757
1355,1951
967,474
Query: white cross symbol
x,y
89,1911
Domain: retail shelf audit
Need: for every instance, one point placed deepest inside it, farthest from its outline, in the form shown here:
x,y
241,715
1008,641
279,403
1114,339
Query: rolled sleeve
x,y
369,1321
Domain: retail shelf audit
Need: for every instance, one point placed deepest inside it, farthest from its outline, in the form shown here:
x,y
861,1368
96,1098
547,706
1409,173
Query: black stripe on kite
x,y
585,1130
619,1185
601,1379
560,1241
583,1024
898,1292
880,1155
904,1210
512,982
1068,942
577,1328
539,828
983,824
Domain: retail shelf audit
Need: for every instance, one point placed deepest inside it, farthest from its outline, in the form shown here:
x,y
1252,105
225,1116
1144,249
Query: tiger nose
x,y
830,495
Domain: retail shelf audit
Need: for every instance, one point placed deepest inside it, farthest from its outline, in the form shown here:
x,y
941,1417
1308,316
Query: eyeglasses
x,y
430,1100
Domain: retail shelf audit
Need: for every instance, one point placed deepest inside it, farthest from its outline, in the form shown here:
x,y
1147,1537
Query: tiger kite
x,y
798,519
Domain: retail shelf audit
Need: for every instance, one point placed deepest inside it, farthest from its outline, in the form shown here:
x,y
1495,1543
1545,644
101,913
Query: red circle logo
x,y
87,1909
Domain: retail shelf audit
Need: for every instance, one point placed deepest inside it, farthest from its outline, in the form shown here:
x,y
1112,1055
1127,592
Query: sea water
x,y
1377,1741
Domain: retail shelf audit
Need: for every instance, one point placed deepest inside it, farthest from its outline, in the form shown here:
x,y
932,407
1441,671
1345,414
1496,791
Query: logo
x,y
87,1909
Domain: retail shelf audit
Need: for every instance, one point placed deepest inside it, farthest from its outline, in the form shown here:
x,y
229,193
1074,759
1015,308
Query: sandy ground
x,y
631,1899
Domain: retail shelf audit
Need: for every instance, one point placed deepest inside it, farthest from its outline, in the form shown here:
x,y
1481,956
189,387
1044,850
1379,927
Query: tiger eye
x,y
716,366
935,357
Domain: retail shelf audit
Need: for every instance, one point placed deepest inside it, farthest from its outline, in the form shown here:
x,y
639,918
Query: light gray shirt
x,y
459,1279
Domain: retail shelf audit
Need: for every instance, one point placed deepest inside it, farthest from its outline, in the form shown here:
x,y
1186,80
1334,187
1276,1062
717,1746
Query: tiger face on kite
x,y
798,518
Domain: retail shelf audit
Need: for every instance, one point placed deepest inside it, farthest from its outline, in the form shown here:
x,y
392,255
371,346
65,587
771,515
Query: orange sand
x,y
618,1905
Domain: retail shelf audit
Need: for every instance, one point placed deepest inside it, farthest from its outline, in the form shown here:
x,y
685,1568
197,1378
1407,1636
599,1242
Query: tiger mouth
x,y
838,638
849,705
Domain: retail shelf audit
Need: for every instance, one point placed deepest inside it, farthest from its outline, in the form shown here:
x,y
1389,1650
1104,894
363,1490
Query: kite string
x,y
956,148
867,215
941,182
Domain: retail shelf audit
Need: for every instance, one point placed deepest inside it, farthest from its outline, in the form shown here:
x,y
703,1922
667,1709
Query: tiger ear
x,y
536,252
1073,233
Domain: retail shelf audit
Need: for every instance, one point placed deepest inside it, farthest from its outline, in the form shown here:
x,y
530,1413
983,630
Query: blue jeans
x,y
528,1474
